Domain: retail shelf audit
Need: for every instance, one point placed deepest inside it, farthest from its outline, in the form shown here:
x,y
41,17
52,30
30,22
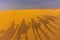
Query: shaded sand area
x,y
32,24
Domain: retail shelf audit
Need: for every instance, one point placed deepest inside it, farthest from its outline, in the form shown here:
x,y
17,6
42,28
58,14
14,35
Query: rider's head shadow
x,y
9,33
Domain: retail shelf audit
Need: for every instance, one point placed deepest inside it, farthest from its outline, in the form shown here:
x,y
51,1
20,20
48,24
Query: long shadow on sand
x,y
23,28
45,22
8,34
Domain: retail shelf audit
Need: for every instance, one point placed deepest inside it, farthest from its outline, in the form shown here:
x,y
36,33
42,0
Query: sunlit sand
x,y
8,16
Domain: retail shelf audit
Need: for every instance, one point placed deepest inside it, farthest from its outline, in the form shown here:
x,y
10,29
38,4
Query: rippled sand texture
x,y
32,24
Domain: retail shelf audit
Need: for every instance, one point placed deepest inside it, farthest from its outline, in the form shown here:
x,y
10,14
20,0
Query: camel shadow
x,y
45,22
36,26
23,28
8,34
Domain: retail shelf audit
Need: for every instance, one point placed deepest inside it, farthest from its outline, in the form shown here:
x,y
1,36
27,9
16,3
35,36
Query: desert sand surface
x,y
26,24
